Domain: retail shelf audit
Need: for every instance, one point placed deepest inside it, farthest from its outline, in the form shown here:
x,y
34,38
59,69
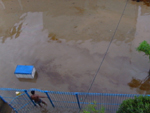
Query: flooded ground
x,y
66,40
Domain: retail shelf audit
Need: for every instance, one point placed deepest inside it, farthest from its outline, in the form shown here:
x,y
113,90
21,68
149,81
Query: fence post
x,y
29,97
78,100
49,98
9,104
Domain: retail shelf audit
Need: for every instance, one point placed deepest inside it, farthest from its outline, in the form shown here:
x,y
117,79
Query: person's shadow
x,y
142,86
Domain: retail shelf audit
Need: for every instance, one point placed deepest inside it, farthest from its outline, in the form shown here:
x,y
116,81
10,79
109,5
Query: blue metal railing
x,y
23,102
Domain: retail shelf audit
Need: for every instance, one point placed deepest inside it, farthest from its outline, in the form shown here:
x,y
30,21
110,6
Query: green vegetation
x,y
91,108
144,47
139,104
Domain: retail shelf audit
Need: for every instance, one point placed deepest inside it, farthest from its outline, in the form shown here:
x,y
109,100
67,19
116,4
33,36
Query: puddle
x,y
80,10
12,33
146,2
52,37
141,85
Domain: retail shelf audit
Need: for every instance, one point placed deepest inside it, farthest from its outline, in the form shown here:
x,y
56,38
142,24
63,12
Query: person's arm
x,y
42,97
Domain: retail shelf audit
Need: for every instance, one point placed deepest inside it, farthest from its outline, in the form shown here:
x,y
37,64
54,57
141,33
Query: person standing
x,y
37,99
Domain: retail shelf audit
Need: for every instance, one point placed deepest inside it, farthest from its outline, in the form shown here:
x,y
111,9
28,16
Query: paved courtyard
x,y
66,41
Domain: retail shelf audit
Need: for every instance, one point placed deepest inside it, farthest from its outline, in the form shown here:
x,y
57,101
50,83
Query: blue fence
x,y
73,100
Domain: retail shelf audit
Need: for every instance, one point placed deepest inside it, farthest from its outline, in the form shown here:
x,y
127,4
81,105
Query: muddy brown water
x,y
66,40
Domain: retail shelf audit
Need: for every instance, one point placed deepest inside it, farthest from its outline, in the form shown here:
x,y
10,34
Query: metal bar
x,y
17,97
49,99
86,103
29,97
64,99
9,105
78,100
24,106
69,93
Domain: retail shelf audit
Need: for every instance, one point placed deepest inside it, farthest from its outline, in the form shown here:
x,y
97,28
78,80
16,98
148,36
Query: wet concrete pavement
x,y
66,41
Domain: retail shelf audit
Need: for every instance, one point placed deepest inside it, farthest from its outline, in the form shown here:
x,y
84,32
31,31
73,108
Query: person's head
x,y
32,92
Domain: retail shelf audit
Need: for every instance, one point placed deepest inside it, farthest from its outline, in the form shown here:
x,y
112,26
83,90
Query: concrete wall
x,y
4,107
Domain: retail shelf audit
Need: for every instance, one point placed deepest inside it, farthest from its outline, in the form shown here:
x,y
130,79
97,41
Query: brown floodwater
x,y
141,85
66,40
146,2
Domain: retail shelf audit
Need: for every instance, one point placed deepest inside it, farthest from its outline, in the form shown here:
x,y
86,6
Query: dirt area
x,y
66,40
